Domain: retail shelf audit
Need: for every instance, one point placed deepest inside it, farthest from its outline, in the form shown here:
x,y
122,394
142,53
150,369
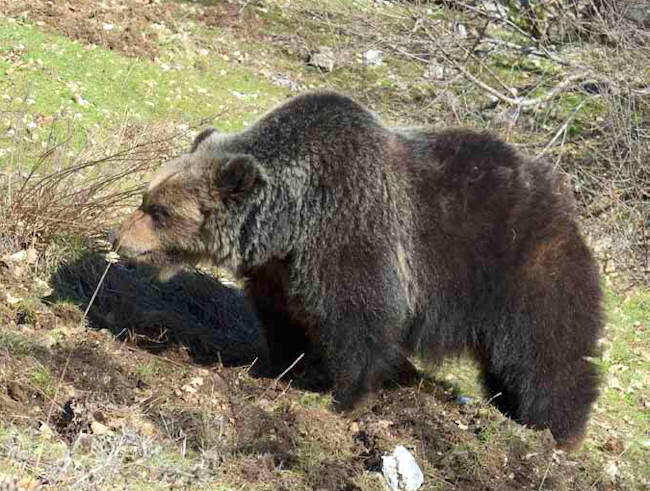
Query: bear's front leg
x,y
361,354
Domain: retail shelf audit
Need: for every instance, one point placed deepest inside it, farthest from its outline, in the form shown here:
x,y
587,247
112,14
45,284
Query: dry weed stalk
x,y
79,191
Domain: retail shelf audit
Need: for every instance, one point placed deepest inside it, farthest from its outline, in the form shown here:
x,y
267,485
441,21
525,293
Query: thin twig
x,y
277,379
529,50
562,129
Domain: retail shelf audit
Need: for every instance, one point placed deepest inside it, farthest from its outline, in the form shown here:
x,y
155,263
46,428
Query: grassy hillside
x,y
94,96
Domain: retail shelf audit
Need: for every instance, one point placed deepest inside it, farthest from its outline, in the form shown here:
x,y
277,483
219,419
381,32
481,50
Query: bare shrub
x,y
77,190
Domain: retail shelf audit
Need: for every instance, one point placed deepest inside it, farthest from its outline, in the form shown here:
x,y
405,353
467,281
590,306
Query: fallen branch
x,y
529,50
515,101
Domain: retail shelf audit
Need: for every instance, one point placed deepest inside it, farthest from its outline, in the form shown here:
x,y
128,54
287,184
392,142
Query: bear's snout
x,y
136,237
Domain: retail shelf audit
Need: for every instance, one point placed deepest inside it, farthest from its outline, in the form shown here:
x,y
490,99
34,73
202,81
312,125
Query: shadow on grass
x,y
192,310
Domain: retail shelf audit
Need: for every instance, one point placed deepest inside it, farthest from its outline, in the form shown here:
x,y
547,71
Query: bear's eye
x,y
157,212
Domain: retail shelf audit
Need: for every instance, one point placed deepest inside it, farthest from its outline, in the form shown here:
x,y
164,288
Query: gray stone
x,y
323,58
638,12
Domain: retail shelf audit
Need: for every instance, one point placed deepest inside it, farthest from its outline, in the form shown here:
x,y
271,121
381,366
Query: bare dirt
x,y
128,26
156,376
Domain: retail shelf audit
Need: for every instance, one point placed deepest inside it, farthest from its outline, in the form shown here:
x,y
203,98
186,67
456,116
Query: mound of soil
x,y
127,26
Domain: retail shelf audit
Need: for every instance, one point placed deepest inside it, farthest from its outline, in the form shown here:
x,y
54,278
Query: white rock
x,y
46,431
401,470
31,256
18,257
108,27
373,57
44,288
611,471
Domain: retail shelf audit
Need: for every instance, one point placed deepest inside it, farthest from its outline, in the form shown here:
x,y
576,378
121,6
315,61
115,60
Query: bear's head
x,y
192,210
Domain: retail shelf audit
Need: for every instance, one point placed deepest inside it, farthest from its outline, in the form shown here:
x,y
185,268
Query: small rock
x,y
611,471
464,400
43,287
31,256
112,257
461,30
46,431
323,58
100,429
19,257
495,9
373,57
109,27
638,12
614,383
11,300
435,71
354,427
196,381
80,100
401,470
189,389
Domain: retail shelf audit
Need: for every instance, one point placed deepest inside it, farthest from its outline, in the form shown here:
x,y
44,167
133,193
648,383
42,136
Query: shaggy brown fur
x,y
365,244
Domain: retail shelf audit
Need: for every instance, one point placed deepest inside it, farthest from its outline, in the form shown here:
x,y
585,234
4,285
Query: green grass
x,y
41,74
154,369
25,313
622,411
316,400
17,344
623,408
41,378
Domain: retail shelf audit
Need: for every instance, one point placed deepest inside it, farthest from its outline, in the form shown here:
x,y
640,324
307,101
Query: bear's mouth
x,y
150,256
160,257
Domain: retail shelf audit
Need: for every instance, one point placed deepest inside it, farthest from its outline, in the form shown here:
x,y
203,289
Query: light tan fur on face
x,y
137,235
166,172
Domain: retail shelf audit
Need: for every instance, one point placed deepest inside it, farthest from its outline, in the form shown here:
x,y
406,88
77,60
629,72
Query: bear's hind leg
x,y
557,398
572,394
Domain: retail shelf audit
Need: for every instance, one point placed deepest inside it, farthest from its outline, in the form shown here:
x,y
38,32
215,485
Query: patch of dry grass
x,y
63,190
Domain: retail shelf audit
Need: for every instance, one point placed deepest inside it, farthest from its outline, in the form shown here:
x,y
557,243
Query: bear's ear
x,y
238,177
200,137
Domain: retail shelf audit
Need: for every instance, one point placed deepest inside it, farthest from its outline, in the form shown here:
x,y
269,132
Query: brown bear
x,y
364,245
